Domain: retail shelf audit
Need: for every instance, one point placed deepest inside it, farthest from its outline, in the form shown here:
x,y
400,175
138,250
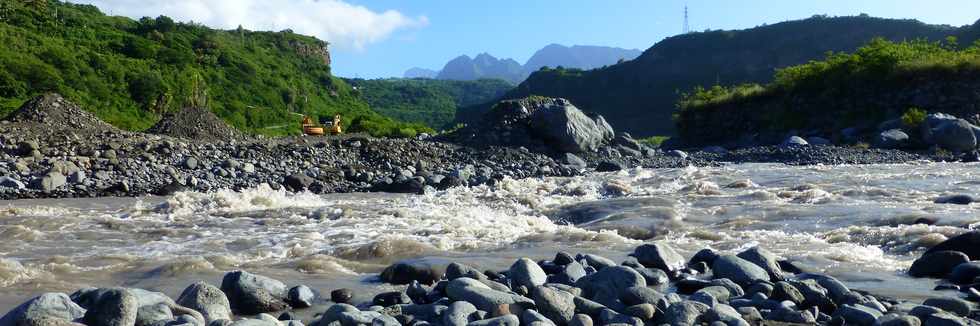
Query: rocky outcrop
x,y
547,124
318,51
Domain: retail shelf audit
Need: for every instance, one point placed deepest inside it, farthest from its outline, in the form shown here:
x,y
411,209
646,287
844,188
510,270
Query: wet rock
x,y
527,273
388,299
425,271
459,313
506,320
944,319
608,284
937,264
794,141
955,200
46,309
253,294
685,313
111,307
965,273
558,306
456,270
738,270
891,139
598,262
610,166
765,259
299,182
660,256
481,295
967,243
706,255
858,314
954,305
341,295
206,299
300,296
835,288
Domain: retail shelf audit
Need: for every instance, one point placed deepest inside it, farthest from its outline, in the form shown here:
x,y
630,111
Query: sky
x,y
383,38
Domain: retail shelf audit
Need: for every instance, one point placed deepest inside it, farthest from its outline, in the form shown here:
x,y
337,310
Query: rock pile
x,y
655,286
53,112
195,123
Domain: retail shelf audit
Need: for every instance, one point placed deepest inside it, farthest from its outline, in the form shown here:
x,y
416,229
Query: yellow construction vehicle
x,y
335,126
311,129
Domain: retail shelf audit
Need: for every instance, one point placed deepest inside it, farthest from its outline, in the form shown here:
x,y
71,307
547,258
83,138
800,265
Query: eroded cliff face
x,y
319,51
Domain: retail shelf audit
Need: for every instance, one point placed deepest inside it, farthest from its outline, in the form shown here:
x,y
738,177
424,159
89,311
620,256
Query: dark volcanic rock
x,y
195,123
967,243
253,294
937,264
52,112
425,271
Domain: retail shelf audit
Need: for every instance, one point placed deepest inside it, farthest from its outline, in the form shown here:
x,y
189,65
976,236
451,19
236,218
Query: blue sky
x,y
383,38
517,28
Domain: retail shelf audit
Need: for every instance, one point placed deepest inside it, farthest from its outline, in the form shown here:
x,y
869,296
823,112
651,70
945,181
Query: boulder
x,y
298,182
459,313
527,273
46,309
109,307
794,141
574,161
423,270
301,296
765,259
558,306
505,320
858,315
206,299
957,306
889,139
955,200
738,270
937,264
50,181
685,312
965,273
12,183
608,284
660,256
252,294
955,135
568,129
967,243
481,295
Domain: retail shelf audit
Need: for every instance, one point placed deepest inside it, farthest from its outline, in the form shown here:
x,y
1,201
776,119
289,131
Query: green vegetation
x,y
913,117
879,81
130,72
654,141
429,101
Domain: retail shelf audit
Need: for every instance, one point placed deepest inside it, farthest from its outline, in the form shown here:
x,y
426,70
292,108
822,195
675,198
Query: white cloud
x,y
338,22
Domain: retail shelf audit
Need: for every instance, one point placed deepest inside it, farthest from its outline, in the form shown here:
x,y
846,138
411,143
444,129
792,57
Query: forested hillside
x,y
640,96
129,72
432,102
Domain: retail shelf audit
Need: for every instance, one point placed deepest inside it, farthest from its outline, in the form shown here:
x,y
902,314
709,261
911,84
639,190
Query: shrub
x,y
913,117
654,141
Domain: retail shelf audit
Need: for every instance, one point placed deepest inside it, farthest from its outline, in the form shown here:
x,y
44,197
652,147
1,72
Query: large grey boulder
x,y
252,294
607,285
206,299
109,307
765,259
568,129
423,270
47,309
948,132
558,306
967,243
892,138
12,183
50,181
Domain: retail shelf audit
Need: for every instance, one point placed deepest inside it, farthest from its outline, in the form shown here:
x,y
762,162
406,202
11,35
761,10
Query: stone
x,y
611,317
190,163
481,295
505,320
388,299
608,284
574,161
532,317
206,299
892,139
783,291
858,314
725,314
150,314
639,295
459,313
967,243
835,288
644,311
111,307
660,256
457,270
300,296
955,200
77,177
893,319
12,183
341,295
569,274
298,182
937,264
527,273
581,320
794,141
558,306
954,305
252,294
955,135
944,319
765,259
965,273
50,182
677,153
598,262
568,129
424,270
738,270
610,166
685,313
47,309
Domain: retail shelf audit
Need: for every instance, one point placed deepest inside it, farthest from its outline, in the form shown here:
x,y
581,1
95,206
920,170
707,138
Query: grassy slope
x,y
129,72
